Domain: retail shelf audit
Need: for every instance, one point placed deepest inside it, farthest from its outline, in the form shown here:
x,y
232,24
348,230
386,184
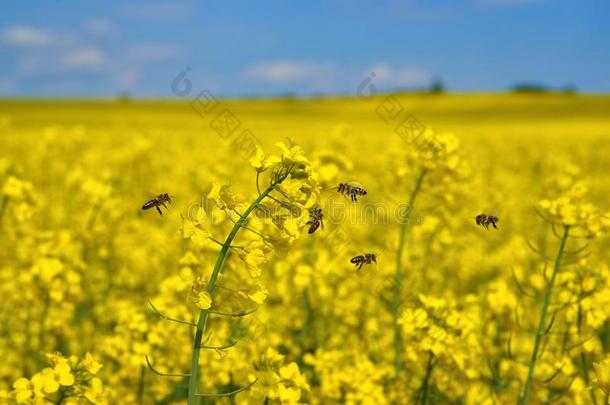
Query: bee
x,y
156,202
315,220
486,220
351,191
361,260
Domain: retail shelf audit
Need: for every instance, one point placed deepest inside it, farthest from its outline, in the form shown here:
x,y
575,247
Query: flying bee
x,y
351,191
156,202
315,219
485,220
361,260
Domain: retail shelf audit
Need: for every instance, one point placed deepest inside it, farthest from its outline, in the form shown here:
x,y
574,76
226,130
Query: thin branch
x,y
517,319
577,251
537,251
555,374
219,347
231,393
519,286
167,318
246,227
233,315
557,235
582,342
548,329
220,243
562,392
544,218
257,186
163,374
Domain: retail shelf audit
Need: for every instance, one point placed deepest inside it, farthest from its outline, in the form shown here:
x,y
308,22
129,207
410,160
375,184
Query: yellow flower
x,y
272,357
294,153
261,164
602,375
258,160
198,294
91,365
194,229
254,257
288,394
292,373
259,294
63,374
95,392
413,319
224,197
23,391
15,188
203,300
46,381
189,259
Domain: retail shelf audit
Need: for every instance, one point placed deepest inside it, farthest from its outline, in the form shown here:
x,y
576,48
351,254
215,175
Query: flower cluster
x,y
67,379
570,209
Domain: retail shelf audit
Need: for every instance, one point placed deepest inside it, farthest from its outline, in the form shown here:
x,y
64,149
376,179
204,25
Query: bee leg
x,y
164,206
361,264
159,210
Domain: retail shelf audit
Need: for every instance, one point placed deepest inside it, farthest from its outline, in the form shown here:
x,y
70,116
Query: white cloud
x,y
286,71
125,78
99,26
412,76
82,59
25,36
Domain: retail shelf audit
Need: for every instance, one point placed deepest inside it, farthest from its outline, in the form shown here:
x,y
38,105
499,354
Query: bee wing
x,y
355,183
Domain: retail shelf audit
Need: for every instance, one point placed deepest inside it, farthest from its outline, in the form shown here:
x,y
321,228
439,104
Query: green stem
x,y
398,274
426,382
583,359
3,205
141,385
542,323
203,314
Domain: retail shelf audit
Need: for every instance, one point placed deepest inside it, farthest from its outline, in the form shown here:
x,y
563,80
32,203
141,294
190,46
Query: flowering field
x,y
228,298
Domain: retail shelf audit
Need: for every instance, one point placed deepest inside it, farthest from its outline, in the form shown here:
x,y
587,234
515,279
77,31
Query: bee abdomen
x,y
314,227
148,204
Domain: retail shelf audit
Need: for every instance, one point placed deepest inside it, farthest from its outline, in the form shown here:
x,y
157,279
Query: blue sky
x,y
233,48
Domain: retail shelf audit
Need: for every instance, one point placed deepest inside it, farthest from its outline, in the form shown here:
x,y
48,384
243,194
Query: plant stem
x,y
203,314
141,385
542,324
398,274
583,359
426,381
3,205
